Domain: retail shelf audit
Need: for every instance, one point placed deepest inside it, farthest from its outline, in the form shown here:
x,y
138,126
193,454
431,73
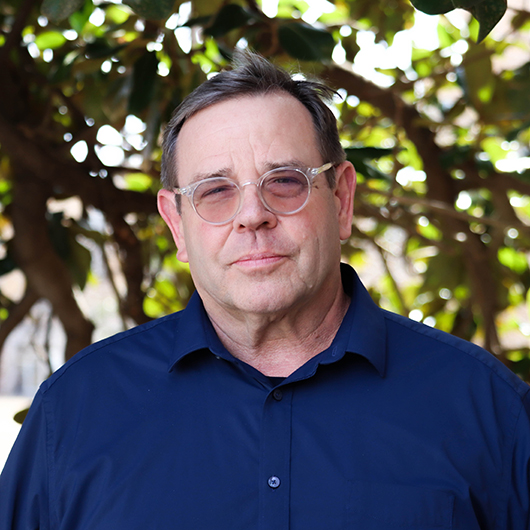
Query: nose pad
x,y
257,195
253,212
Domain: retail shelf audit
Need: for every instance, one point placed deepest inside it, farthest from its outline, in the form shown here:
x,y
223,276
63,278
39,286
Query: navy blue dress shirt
x,y
395,426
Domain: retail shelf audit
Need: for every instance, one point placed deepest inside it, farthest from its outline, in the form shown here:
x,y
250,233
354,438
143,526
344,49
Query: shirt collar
x,y
363,329
194,332
190,333
362,332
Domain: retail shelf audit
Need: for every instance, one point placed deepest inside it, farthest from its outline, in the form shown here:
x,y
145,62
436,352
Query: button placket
x,y
275,460
277,394
274,482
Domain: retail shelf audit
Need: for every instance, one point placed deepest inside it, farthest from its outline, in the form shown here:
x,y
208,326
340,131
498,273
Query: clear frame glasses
x,y
283,191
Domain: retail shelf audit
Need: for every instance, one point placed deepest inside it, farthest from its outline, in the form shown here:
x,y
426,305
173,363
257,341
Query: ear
x,y
345,182
168,210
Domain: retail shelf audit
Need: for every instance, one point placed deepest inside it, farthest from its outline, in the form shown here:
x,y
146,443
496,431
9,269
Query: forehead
x,y
258,130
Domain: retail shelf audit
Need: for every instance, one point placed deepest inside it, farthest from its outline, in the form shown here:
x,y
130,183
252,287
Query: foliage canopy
x,y
437,124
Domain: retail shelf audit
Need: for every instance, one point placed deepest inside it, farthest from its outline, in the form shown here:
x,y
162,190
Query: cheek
x,y
321,239
203,244
201,262
320,226
308,238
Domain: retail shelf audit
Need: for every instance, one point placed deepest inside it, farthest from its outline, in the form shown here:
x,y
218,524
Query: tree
x,y
439,137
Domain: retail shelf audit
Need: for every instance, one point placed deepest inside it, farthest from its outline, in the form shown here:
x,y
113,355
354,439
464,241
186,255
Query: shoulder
x,y
464,359
151,343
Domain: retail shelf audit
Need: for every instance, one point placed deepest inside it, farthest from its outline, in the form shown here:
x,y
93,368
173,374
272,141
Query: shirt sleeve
x,y
24,480
518,495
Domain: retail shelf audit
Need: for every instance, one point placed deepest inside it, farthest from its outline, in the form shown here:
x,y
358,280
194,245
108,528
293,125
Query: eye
x,y
215,190
286,183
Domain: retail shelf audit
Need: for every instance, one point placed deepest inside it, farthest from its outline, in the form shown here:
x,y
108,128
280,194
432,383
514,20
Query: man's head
x,y
259,261
254,75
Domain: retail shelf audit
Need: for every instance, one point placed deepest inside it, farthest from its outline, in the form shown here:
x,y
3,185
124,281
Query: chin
x,y
263,299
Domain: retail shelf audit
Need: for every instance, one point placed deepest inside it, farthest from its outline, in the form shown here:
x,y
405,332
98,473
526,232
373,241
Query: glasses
x,y
283,191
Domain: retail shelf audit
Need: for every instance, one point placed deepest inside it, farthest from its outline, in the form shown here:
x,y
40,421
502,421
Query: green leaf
x,y
57,10
144,77
305,42
99,48
20,416
50,40
515,261
433,7
465,4
512,135
7,265
371,153
522,367
478,80
60,73
79,19
358,157
350,46
447,35
369,171
117,14
152,9
153,308
138,181
79,261
76,256
5,186
488,13
493,147
455,156
429,231
444,270
206,7
59,235
203,21
231,16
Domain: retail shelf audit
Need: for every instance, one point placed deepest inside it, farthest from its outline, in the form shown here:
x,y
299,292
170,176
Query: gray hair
x,y
254,75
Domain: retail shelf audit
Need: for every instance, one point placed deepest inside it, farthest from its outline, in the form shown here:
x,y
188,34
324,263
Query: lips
x,y
257,259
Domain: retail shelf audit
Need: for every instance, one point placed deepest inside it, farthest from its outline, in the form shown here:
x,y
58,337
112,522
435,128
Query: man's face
x,y
259,262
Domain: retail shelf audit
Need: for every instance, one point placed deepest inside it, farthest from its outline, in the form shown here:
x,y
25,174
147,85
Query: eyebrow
x,y
223,172
285,163
227,172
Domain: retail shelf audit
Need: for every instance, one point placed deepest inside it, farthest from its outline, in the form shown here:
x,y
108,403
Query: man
x,y
282,397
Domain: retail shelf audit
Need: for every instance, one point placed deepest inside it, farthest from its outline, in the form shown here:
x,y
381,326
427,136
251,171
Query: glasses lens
x,y
285,190
216,200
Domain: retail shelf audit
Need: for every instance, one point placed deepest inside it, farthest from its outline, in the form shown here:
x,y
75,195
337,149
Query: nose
x,y
253,213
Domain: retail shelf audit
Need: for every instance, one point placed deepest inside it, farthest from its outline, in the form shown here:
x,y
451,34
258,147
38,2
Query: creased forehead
x,y
272,129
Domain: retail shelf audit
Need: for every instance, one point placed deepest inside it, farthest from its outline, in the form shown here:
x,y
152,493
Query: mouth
x,y
259,260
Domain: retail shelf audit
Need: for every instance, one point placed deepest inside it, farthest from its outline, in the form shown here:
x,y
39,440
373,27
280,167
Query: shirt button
x,y
277,394
273,482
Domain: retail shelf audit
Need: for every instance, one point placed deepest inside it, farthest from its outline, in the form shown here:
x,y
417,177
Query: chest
x,y
301,457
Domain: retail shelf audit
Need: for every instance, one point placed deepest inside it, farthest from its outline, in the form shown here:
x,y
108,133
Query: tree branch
x,y
70,178
132,266
46,273
440,187
15,35
443,209
17,312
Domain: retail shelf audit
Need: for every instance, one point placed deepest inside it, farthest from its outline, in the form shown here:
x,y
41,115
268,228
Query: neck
x,y
278,344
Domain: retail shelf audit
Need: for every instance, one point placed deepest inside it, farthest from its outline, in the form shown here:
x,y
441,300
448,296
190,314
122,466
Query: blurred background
x,y
433,109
